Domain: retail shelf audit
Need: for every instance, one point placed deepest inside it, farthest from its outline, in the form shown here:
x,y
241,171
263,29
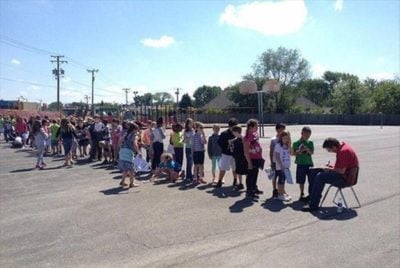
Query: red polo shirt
x,y
347,158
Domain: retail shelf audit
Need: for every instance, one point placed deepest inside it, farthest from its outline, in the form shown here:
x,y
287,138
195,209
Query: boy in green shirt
x,y
303,149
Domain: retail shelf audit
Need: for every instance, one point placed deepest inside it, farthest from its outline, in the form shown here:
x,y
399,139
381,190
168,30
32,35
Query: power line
x,y
15,43
25,82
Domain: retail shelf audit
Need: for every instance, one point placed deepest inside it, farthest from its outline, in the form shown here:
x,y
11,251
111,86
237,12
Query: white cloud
x,y
382,76
162,42
338,6
318,70
15,61
268,18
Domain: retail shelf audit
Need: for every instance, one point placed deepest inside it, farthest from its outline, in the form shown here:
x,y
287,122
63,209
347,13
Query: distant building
x,y
306,103
220,102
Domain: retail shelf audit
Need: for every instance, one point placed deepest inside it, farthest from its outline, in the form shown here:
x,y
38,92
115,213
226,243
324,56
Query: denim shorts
x,y
198,158
301,172
280,176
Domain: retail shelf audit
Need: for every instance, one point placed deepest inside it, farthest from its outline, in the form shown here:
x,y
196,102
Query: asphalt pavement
x,y
80,217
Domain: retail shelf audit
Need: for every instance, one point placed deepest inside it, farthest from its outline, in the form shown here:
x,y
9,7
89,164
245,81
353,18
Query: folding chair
x,y
339,190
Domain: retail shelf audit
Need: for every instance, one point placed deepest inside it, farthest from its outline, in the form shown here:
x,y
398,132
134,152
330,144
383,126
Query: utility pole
x,y
57,72
177,96
92,71
135,93
126,94
87,100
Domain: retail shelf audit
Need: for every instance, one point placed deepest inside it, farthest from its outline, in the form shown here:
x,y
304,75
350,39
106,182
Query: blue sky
x,y
154,46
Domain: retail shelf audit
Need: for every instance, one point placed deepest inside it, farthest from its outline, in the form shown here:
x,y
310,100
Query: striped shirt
x,y
198,143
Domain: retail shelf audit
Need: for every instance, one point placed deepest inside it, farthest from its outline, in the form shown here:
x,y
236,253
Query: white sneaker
x,y
288,197
284,197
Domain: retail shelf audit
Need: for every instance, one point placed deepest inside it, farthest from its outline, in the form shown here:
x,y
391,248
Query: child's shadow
x,y
274,205
116,191
240,205
224,192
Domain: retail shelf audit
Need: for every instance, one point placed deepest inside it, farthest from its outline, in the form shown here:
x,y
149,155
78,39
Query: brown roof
x,y
221,101
306,103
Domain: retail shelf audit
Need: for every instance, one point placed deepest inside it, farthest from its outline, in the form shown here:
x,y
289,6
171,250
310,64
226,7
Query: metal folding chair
x,y
339,191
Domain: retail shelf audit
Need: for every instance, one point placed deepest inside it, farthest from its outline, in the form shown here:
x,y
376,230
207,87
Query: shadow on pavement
x,y
224,192
240,205
22,170
330,213
297,205
115,191
274,205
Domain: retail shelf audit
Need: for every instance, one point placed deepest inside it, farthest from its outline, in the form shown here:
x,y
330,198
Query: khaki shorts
x,y
226,163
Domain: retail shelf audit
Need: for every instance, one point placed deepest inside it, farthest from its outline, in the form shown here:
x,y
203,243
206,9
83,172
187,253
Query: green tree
x,y
284,65
332,78
163,97
348,97
186,101
53,106
316,90
146,99
205,94
387,97
370,84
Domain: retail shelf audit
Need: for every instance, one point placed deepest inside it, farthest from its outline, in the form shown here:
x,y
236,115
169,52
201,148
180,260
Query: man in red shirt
x,y
340,175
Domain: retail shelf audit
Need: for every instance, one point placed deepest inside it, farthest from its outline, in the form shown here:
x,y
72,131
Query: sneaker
x,y
288,196
235,182
283,197
240,187
258,191
304,199
275,193
251,195
219,184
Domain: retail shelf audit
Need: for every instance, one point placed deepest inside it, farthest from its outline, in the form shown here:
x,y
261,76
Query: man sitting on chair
x,y
340,175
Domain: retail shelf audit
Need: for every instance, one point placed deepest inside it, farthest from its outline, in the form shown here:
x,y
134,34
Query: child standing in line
x,y
198,151
188,134
40,142
238,154
146,139
279,128
214,150
282,154
304,149
176,140
55,148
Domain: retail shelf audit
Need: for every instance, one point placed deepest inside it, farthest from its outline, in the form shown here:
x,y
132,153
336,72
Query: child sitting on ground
x,y
169,167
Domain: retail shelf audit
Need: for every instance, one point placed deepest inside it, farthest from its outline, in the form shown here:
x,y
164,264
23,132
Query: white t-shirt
x,y
284,154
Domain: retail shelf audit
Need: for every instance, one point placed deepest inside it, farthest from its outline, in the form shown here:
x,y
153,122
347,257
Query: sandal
x,y
133,185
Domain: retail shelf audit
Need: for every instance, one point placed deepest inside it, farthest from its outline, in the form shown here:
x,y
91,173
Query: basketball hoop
x,y
271,86
247,87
